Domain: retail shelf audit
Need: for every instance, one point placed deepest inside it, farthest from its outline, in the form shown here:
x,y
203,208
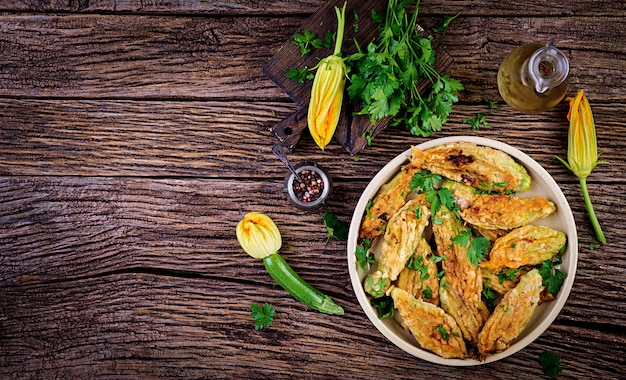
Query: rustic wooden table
x,y
135,135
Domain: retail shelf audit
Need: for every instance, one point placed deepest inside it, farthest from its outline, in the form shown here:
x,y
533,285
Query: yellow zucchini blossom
x,y
582,150
327,91
258,235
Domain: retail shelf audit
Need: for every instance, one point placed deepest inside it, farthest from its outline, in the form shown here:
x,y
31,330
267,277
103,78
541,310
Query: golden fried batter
x,y
511,315
389,198
402,236
500,211
502,281
433,329
477,166
422,283
528,245
463,281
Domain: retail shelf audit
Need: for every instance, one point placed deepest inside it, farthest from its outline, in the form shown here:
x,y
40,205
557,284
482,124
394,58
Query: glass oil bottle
x,y
534,77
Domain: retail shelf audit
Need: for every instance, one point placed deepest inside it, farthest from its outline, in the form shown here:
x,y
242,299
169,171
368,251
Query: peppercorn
x,y
310,188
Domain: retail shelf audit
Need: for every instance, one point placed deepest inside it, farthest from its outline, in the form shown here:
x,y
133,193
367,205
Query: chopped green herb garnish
x,y
489,297
443,24
477,121
478,246
367,135
427,292
308,40
444,333
384,306
553,278
416,263
425,180
336,228
551,363
507,275
363,257
262,315
368,205
300,75
492,104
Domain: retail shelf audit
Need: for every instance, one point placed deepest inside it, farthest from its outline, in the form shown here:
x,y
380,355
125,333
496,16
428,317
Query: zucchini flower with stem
x,y
582,151
328,88
259,236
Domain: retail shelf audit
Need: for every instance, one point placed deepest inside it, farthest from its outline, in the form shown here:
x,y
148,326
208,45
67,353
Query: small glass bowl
x,y
297,198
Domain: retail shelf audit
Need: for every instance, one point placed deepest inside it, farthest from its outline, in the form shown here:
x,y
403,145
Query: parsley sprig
x,y
300,75
307,41
336,229
384,306
478,246
384,77
551,363
263,315
363,257
553,278
426,182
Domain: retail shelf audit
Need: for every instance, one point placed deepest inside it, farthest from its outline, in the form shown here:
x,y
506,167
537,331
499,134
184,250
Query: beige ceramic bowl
x,y
542,184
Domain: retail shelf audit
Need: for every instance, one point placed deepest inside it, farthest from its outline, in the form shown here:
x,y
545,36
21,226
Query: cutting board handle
x,y
289,130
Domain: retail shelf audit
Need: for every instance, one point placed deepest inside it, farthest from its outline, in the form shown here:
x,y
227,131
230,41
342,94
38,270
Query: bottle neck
x,y
546,68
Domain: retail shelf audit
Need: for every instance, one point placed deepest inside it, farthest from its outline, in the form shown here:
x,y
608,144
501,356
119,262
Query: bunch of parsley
x,y
384,77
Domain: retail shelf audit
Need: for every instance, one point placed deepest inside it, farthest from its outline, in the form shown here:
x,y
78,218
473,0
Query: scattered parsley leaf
x,y
438,259
443,24
507,275
304,41
384,306
444,333
300,75
492,104
336,228
489,297
592,246
368,205
362,256
308,40
262,315
367,135
425,180
416,263
356,158
551,363
477,121
427,292
552,277
478,246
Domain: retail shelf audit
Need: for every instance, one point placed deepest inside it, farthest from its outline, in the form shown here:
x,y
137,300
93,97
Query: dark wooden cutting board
x,y
359,26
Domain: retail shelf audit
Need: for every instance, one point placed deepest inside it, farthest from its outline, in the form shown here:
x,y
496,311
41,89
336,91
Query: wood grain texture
x,y
175,138
134,135
104,56
307,7
110,326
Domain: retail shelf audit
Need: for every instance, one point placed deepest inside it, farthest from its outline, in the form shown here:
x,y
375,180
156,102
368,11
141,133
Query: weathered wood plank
x,y
304,7
61,229
113,56
132,325
150,138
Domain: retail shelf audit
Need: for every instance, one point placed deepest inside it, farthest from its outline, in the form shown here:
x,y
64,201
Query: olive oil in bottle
x,y
533,78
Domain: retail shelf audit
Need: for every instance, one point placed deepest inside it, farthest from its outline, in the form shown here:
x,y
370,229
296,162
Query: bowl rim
x,y
559,199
